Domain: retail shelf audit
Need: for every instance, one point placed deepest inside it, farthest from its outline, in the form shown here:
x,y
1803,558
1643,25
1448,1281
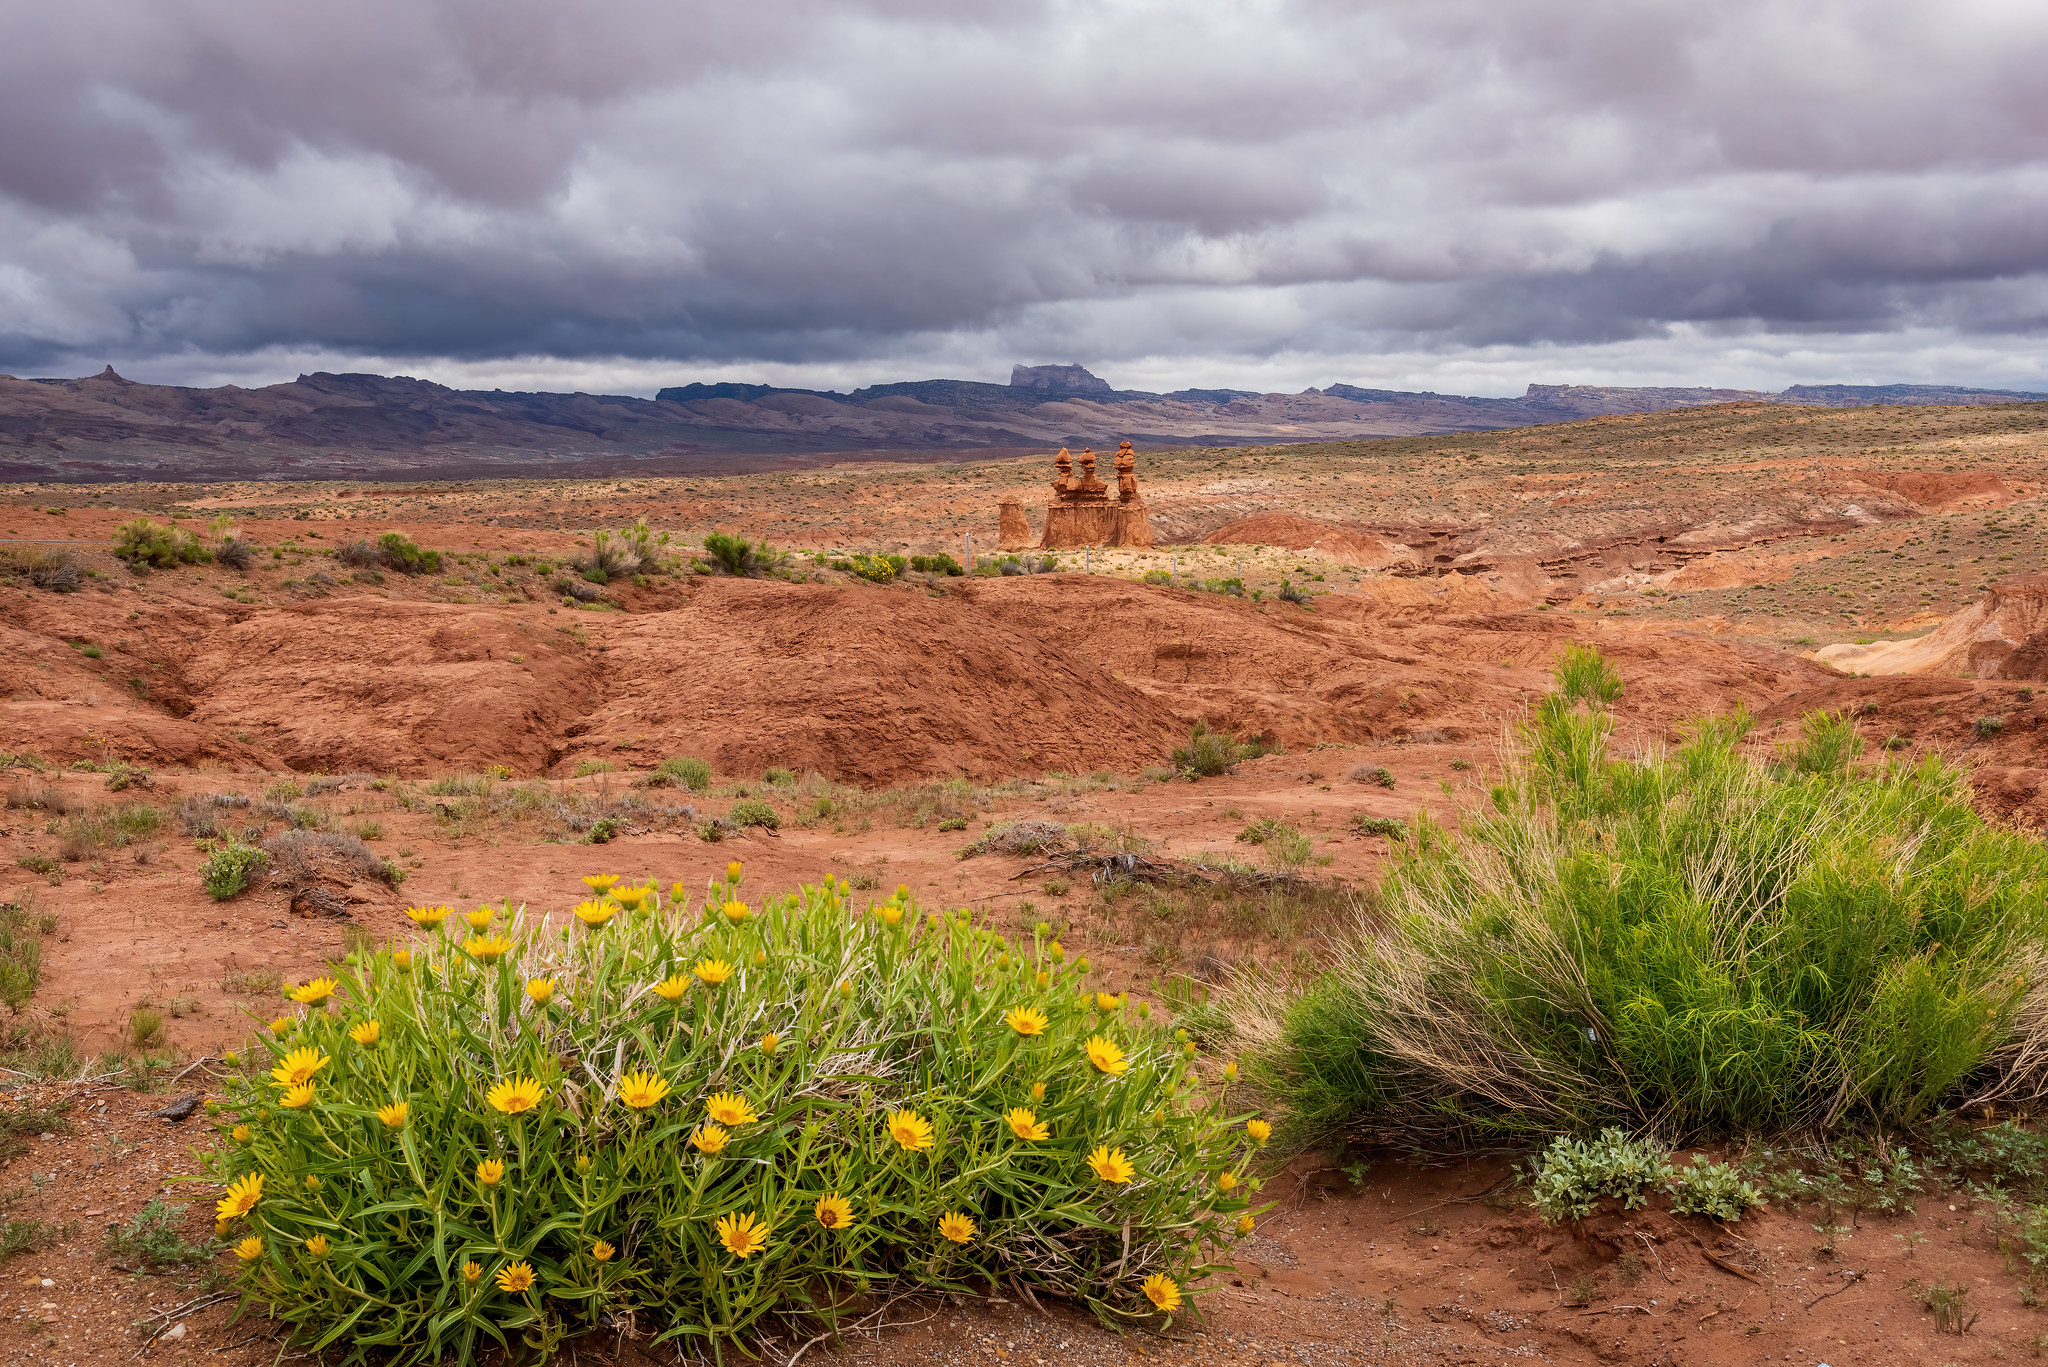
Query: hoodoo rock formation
x,y
1013,530
1082,513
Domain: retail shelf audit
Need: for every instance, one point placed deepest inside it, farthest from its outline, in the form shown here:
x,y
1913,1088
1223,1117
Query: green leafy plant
x,y
1715,1189
226,872
735,555
715,1121
153,1242
752,811
683,772
1574,1173
144,542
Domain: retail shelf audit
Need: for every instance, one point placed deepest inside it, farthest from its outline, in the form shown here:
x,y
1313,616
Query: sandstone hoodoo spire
x,y
1082,514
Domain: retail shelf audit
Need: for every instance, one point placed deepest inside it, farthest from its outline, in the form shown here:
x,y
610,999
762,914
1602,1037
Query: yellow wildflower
x,y
630,897
846,989
1081,964
480,918
393,1115
760,957
583,1162
1038,1091
243,1194
672,988
513,1095
903,889
487,946
910,1130
709,1138
1110,1164
1107,1001
429,916
402,958
742,1234
1026,1020
1161,1291
366,1034
316,1247
490,1172
298,1066
542,990
240,1134
713,971
515,1278
1258,1131
595,914
312,1182
957,1227
297,1098
734,871
890,913
471,1270
1025,1124
1105,1055
770,1042
1230,1071
1058,952
602,1251
318,990
600,882
1226,1181
250,1249
642,1089
736,911
1043,979
730,1108
1245,1224
834,1211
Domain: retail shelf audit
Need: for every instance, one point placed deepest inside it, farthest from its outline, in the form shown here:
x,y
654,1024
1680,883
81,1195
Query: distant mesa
x,y
1058,379
2005,636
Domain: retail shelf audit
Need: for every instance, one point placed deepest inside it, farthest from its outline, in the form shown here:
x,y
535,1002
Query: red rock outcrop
x,y
1081,513
1013,530
2003,637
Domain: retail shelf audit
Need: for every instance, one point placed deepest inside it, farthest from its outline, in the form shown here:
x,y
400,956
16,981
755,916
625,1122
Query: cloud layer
x,y
1459,194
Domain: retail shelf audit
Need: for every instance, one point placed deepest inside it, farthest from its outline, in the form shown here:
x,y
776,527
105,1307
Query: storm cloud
x,y
623,194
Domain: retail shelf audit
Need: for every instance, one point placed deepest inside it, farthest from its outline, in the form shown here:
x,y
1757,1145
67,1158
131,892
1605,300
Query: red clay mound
x,y
2005,636
409,688
1296,533
1936,490
871,685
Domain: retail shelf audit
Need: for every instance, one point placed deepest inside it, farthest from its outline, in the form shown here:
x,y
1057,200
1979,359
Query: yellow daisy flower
x,y
957,1227
1245,1224
393,1115
471,1270
833,1211
890,913
240,1134
1161,1291
316,1247
1110,1164
910,1130
366,1034
1226,1181
730,1108
630,897
487,946
709,1138
481,917
318,990
1038,1091
640,1090
243,1194
595,914
542,990
1107,1001
734,871
672,988
736,911
1230,1071
429,916
742,1234
298,1067
602,1251
1043,980
515,1278
1105,1055
770,1042
402,958
713,971
1026,1020
490,1172
250,1249
1026,1125
1258,1131
297,1098
601,882
513,1095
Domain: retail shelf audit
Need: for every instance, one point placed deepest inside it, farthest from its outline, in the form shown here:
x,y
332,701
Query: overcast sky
x,y
1461,195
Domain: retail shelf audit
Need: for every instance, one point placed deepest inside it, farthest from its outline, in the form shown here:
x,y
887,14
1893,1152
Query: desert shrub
x,y
51,570
1574,1173
752,811
582,590
876,569
1156,577
1391,827
1020,837
1210,753
1686,938
1827,744
1986,727
359,553
21,951
736,555
683,771
519,1133
1714,1189
1290,594
143,542
778,776
936,564
294,857
226,872
1232,587
235,552
398,552
154,1240
612,557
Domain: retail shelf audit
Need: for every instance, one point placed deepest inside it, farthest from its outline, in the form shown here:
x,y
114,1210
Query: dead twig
x,y
1726,1308
188,1068
1854,1277
855,1327
1616,1310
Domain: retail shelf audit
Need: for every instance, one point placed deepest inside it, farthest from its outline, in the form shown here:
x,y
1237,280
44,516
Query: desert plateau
x,y
247,746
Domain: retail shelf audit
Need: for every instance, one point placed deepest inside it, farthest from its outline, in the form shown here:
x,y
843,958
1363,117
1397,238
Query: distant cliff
x,y
324,426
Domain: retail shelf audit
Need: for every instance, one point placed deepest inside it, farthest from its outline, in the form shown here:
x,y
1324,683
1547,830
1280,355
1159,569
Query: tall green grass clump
x,y
1689,940
714,1122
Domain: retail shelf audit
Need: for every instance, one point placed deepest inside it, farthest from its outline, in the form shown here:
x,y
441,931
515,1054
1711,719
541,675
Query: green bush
x,y
936,564
143,542
1714,1189
502,1141
752,811
1391,827
876,569
398,552
1575,1173
226,872
1210,753
684,772
1688,939
734,555
1157,577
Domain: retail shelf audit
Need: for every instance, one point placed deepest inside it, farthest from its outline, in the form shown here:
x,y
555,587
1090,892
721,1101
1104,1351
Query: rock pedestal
x,y
1082,514
1013,532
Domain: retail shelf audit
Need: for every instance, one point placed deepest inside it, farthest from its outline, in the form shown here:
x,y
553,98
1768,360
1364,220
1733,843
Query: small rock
x,y
48,1282
46,1136
175,1332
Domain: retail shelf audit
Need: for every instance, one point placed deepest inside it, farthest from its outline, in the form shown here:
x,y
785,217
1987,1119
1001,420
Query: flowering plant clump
x,y
701,1121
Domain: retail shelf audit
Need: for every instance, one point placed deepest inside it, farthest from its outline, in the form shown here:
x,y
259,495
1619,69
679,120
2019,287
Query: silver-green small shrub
x,y
1574,1173
1711,1189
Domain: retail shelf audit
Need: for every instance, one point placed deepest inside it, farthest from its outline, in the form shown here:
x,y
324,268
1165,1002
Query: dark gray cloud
x,y
1462,193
